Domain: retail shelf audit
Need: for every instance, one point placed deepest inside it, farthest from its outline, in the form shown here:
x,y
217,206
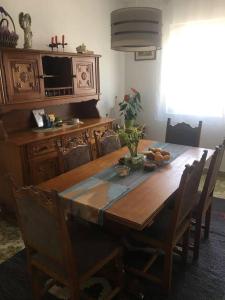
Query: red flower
x,y
134,91
126,98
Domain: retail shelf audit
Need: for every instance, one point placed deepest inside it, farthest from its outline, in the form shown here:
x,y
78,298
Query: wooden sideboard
x,y
65,84
32,156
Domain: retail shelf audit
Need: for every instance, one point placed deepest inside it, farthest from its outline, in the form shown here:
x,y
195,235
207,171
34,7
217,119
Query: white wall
x,y
145,77
88,21
81,21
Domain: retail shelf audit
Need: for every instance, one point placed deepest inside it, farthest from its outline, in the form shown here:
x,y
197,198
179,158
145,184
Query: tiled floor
x,y
220,186
10,238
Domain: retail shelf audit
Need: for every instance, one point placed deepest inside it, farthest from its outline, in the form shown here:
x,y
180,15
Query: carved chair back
x,y
73,154
186,195
183,134
210,181
106,142
42,221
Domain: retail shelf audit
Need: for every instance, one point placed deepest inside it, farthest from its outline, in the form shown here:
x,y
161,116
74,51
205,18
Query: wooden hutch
x,y
65,84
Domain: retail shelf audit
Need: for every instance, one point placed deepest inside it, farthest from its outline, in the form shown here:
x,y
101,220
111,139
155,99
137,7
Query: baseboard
x,y
221,173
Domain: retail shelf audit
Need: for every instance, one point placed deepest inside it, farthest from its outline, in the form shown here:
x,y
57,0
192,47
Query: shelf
x,y
59,91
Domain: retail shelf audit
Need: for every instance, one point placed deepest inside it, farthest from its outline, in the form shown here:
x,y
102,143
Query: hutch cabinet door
x,y
22,71
85,76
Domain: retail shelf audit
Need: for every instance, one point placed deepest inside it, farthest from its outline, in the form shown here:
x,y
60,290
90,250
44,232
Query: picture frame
x,y
145,55
38,116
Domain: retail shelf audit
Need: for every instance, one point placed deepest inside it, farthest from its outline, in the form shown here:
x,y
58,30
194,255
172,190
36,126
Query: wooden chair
x,y
203,208
106,142
171,226
69,255
183,134
73,154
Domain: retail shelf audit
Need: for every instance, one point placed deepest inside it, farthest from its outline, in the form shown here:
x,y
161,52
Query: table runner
x,y
97,193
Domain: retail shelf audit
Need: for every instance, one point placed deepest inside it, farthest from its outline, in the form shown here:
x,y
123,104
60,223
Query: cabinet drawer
x,y
42,147
43,168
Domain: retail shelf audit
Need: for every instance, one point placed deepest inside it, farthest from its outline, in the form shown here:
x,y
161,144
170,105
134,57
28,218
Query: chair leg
x,y
185,245
197,237
75,292
120,270
74,288
167,272
207,222
35,281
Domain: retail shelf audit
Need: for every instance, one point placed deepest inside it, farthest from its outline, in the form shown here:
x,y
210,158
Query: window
x,y
193,69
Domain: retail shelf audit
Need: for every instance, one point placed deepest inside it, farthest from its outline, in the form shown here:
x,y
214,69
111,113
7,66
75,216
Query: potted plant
x,y
130,106
131,137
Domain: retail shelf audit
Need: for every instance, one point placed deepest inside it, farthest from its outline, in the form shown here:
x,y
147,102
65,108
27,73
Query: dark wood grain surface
x,y
137,208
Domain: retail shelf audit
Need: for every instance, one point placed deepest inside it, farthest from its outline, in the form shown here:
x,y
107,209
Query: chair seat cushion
x,y
91,245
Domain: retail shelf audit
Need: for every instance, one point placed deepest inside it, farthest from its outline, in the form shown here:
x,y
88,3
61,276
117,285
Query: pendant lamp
x,y
136,29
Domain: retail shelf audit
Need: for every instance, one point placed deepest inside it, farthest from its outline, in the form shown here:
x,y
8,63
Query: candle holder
x,y
63,45
54,43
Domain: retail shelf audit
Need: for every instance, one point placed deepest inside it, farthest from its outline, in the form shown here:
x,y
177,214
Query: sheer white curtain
x,y
193,59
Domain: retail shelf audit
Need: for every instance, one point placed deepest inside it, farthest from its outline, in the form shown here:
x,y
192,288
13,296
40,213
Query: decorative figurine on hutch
x,y
25,24
82,49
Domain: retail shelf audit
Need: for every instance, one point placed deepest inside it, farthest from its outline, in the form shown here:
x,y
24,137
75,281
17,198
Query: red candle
x,y
52,40
63,39
56,40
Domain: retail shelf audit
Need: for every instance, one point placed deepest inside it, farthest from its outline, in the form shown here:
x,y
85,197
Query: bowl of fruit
x,y
157,155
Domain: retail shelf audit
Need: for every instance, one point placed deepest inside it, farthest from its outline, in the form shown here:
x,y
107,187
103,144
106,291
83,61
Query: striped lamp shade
x,y
136,29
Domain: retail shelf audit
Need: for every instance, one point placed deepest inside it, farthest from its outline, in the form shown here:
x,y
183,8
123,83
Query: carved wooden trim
x,y
71,142
100,137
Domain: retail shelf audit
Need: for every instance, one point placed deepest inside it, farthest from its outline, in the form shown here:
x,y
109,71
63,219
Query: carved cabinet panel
x,y
23,76
72,138
85,78
43,169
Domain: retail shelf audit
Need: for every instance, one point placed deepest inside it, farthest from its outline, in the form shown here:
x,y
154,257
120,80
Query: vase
x,y
134,162
129,123
137,160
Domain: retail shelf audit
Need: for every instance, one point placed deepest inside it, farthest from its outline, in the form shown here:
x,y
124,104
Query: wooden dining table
x,y
137,208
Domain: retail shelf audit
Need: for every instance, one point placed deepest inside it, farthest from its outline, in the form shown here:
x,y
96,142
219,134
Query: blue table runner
x,y
97,193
